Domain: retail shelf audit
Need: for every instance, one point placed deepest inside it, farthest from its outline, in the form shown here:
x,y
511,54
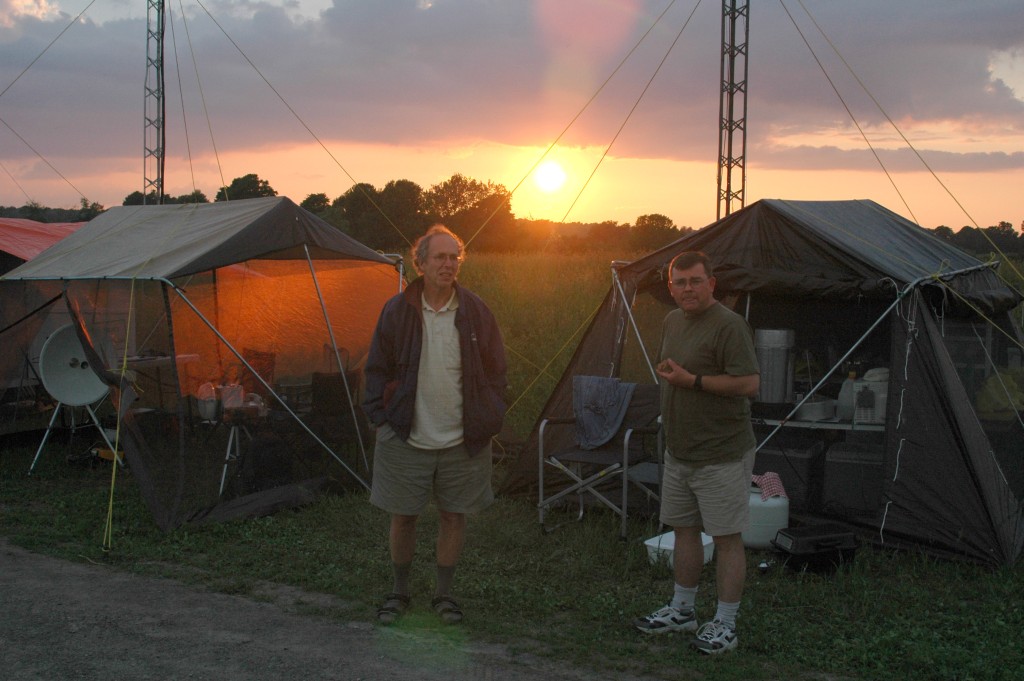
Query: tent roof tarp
x,y
165,242
831,249
25,239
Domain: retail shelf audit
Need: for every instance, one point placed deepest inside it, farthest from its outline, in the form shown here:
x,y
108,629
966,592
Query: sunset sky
x,y
377,90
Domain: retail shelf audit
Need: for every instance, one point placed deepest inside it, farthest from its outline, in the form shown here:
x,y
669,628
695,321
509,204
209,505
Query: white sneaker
x,y
667,619
714,638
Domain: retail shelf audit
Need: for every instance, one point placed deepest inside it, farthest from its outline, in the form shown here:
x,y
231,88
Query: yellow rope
x,y
108,530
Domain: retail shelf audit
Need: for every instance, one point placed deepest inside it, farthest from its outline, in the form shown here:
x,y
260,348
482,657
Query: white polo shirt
x,y
437,416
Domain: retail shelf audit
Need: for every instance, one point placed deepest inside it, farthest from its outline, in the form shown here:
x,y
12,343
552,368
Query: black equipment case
x,y
817,548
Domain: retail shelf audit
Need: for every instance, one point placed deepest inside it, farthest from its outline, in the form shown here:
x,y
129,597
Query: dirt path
x,y
64,620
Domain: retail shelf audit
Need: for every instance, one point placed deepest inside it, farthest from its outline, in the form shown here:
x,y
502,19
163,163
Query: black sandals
x,y
447,609
394,605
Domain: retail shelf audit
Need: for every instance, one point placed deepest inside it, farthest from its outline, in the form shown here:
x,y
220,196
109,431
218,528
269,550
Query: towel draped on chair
x,y
599,405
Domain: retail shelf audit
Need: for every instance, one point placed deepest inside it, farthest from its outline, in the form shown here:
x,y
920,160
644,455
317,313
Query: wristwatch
x,y
698,381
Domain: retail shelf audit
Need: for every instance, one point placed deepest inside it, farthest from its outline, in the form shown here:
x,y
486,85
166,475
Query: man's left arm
x,y
732,386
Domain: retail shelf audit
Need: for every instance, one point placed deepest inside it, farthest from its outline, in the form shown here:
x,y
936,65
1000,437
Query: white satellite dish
x,y
70,379
66,372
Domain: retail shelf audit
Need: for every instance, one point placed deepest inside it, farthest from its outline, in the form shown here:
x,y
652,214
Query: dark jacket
x,y
392,367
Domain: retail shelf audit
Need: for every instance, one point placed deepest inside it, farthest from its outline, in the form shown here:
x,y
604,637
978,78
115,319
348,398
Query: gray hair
x,y
422,245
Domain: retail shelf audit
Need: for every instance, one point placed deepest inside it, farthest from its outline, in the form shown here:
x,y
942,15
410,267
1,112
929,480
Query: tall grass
x,y
568,595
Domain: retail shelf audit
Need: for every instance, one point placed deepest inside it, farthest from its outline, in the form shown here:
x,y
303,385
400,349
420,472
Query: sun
x,y
549,177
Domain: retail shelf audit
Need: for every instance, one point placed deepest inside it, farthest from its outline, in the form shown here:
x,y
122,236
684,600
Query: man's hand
x,y
674,374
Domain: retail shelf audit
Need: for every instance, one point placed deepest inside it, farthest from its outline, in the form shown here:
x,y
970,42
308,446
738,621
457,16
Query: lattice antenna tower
x,y
154,132
732,108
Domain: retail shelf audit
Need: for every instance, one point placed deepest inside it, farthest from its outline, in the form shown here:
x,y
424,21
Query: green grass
x,y
567,595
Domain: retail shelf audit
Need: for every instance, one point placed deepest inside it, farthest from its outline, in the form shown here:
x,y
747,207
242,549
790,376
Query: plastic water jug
x,y
845,405
864,412
767,517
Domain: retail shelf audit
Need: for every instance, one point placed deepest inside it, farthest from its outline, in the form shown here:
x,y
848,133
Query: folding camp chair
x,y
632,452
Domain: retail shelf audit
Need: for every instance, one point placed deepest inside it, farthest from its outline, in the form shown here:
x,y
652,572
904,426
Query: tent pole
x,y
399,267
342,369
259,378
629,313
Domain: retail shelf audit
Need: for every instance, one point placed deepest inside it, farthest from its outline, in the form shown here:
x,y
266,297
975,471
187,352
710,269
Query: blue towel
x,y
599,404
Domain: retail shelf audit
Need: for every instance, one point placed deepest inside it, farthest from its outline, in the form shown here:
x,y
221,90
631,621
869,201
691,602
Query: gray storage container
x,y
853,478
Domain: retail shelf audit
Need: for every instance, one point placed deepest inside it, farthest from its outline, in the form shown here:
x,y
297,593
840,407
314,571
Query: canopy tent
x,y
213,323
861,287
22,239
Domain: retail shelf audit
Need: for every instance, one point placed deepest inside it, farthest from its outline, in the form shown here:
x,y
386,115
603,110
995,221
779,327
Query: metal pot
x,y
816,409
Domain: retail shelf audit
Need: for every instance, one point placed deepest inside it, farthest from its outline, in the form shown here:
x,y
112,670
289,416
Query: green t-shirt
x,y
701,428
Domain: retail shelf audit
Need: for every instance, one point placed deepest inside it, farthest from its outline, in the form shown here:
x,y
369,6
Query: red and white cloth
x,y
770,485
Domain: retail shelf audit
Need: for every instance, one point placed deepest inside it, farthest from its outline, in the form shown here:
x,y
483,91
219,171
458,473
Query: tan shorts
x,y
405,478
715,498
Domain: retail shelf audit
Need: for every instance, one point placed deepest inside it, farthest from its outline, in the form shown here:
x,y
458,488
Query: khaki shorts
x,y
715,498
405,478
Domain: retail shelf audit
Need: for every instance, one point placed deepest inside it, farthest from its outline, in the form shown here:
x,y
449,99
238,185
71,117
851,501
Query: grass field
x,y
570,594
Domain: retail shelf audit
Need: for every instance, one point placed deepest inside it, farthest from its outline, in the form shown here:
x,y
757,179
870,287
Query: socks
x,y
445,577
727,613
684,597
401,576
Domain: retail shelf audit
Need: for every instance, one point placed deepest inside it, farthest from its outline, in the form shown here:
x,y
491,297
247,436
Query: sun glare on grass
x,y
549,177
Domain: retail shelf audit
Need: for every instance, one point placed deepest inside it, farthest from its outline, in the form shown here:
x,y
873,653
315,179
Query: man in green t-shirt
x,y
708,369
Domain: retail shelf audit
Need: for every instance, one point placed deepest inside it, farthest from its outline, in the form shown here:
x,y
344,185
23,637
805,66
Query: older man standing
x,y
435,383
709,370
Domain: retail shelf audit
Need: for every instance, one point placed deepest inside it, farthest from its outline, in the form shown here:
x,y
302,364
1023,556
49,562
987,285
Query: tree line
x,y
390,218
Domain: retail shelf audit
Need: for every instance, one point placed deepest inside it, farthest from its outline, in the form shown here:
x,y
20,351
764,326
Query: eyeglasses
x,y
446,257
692,282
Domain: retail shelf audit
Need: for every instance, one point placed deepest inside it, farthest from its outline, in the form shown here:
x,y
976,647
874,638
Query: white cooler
x,y
661,548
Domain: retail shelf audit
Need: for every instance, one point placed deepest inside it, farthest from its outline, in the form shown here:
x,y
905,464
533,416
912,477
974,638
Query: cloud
x,y
13,10
401,72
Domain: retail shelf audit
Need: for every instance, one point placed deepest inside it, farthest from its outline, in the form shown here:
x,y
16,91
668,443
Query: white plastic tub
x,y
661,548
